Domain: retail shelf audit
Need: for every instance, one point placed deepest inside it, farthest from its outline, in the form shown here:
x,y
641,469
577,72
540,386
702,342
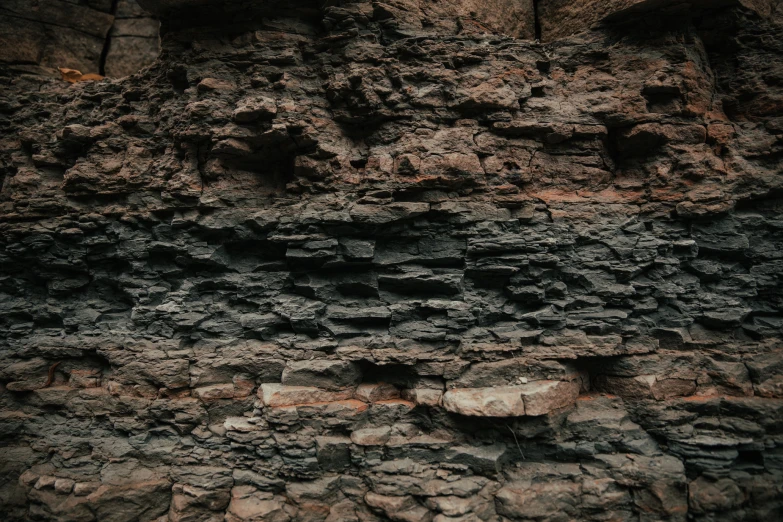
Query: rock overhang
x,y
545,20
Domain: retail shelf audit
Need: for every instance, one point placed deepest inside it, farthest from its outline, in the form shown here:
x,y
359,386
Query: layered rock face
x,y
365,261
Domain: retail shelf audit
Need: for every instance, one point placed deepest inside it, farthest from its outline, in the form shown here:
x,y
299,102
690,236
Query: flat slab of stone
x,y
535,398
374,392
277,395
423,396
541,397
502,401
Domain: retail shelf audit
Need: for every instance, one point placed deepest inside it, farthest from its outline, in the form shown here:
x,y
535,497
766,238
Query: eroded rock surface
x,y
367,261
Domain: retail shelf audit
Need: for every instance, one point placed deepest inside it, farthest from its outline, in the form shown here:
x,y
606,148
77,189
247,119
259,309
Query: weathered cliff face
x,y
399,261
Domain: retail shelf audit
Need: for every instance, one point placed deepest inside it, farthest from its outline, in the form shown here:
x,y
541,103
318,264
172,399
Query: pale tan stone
x,y
214,84
250,505
214,392
276,395
64,485
423,396
371,436
535,398
46,481
541,397
503,401
240,424
373,392
243,386
398,508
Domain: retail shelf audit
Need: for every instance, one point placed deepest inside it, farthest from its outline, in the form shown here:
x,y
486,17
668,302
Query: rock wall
x,y
107,37
364,261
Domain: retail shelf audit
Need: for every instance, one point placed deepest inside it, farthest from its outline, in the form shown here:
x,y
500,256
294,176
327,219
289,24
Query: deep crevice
x,y
107,41
536,20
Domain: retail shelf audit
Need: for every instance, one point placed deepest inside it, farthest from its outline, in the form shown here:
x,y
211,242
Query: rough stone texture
x,y
559,18
109,37
366,261
133,41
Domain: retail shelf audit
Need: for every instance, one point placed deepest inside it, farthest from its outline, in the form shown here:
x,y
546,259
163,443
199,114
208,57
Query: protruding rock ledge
x,y
535,398
406,17
531,399
561,18
277,395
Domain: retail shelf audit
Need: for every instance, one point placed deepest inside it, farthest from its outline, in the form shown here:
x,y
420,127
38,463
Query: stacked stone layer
x,y
399,261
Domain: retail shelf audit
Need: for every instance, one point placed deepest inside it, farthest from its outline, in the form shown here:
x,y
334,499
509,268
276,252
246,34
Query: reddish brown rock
x,y
277,395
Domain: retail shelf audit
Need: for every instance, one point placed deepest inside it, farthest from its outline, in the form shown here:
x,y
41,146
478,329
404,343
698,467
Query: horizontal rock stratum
x,y
393,260
537,398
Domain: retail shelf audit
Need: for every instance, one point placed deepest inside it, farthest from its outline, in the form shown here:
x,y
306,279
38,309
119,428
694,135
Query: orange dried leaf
x,y
73,76
70,75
